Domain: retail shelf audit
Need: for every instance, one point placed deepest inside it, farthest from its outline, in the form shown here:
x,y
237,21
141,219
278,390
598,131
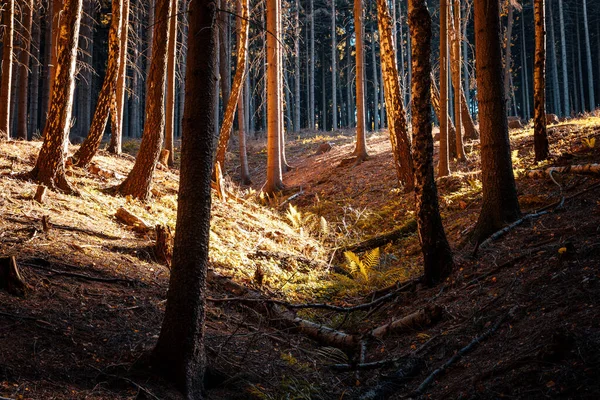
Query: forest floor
x,y
97,292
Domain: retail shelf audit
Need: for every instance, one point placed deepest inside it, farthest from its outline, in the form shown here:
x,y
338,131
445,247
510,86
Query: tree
x,y
540,137
139,180
500,204
7,62
118,104
83,157
22,126
563,45
238,81
334,67
84,87
179,352
171,67
443,163
437,256
393,98
361,138
455,67
50,165
274,171
590,71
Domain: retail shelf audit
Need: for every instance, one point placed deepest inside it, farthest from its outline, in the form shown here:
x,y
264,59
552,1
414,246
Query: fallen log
x,y
130,219
587,169
421,318
381,240
10,277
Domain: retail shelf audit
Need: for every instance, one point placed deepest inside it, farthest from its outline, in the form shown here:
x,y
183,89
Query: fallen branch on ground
x,y
381,240
423,317
130,219
468,348
589,169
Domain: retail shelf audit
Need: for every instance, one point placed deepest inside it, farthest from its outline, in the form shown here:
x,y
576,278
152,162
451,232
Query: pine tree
x,y
539,82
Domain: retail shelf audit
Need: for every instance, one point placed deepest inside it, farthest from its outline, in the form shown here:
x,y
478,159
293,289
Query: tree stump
x,y
163,248
10,277
40,194
164,157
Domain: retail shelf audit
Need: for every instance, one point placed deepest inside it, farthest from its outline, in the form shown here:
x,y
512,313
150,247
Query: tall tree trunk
x,y
400,43
7,62
171,72
382,107
24,76
466,82
590,72
554,66
57,9
500,204
297,99
444,162
435,101
139,181
136,79
540,137
46,64
579,65
238,81
244,170
437,256
84,87
35,74
118,104
334,67
375,84
179,352
50,165
274,169
311,107
525,73
508,56
361,138
563,46
393,97
88,149
455,66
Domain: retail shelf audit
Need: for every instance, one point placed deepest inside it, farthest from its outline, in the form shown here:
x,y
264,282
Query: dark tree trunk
x,y
117,106
437,256
35,74
139,181
500,204
179,353
90,146
24,77
540,137
171,67
84,87
47,82
50,166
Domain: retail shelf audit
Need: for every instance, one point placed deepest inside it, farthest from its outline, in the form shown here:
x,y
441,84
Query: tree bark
x,y
139,181
563,46
35,75
393,98
238,81
7,63
274,169
334,88
179,352
311,76
88,149
557,109
455,66
84,88
22,126
525,73
437,256
540,136
375,84
118,102
443,163
500,204
361,138
50,165
297,99
171,67
590,71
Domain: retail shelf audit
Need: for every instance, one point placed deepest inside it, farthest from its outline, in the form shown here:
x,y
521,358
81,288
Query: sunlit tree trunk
x,y
443,163
171,71
397,126
87,150
437,256
455,66
500,204
238,81
139,181
540,137
375,83
50,165
118,104
361,139
274,170
7,62
179,353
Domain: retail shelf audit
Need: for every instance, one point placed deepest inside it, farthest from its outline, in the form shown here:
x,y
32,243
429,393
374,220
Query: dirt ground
x,y
97,293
